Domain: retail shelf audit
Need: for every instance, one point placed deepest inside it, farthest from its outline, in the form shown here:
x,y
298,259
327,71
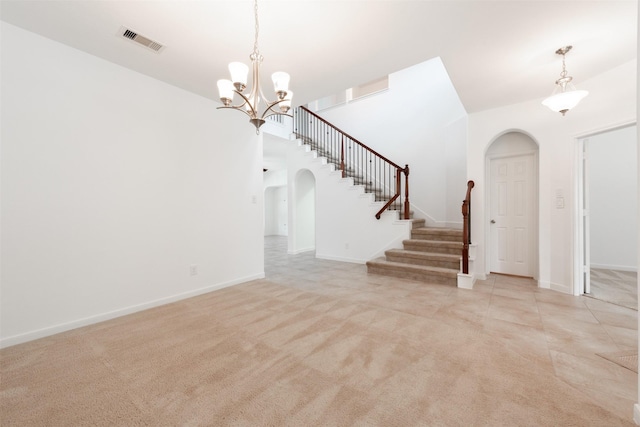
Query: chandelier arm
x,y
239,106
273,113
270,106
236,108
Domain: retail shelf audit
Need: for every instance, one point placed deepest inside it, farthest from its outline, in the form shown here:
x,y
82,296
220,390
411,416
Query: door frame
x,y
535,263
581,259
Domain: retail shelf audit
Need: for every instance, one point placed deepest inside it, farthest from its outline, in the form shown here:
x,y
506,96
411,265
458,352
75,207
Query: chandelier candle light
x,y
250,102
565,96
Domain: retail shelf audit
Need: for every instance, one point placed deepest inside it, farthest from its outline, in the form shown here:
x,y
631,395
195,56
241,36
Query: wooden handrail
x,y
349,136
368,167
466,227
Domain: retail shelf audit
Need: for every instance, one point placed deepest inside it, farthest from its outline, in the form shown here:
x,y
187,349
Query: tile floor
x,y
562,332
615,286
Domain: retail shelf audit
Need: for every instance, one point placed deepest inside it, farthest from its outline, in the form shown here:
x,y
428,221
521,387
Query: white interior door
x,y
512,213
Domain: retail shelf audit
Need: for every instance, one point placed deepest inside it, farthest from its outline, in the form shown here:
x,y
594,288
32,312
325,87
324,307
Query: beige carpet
x,y
626,359
262,354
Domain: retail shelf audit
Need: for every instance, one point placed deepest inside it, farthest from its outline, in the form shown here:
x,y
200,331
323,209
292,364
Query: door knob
x,y
493,221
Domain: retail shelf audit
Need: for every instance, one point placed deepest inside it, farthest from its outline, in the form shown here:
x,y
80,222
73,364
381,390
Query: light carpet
x,y
263,354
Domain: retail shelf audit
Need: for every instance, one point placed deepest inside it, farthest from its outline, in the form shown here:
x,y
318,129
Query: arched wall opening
x,y
511,198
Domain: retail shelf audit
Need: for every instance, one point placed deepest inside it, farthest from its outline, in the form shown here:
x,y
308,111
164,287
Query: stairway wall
x,y
421,122
345,225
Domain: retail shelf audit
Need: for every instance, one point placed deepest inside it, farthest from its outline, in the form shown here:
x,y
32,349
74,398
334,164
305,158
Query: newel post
x,y
406,192
465,236
466,227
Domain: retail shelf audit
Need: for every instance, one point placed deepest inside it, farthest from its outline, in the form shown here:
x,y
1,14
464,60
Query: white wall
x,y
418,121
305,208
611,102
113,185
612,198
345,225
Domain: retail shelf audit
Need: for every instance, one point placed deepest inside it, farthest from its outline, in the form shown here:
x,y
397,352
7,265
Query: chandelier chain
x,y
563,74
255,43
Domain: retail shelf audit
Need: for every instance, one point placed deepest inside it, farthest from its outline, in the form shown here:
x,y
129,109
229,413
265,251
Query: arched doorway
x,y
512,201
305,211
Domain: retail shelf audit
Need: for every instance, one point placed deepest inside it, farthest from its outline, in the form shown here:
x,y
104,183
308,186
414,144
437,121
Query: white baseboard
x,y
615,267
301,251
63,327
544,284
342,259
636,413
560,288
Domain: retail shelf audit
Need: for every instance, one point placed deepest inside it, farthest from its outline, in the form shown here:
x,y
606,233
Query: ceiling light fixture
x,y
565,96
250,103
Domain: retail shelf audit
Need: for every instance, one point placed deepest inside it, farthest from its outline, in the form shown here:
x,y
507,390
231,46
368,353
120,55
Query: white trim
x,y
565,289
578,238
615,267
300,251
606,129
465,281
63,327
341,259
636,413
580,257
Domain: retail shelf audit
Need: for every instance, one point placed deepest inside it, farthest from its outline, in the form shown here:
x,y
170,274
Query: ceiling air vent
x,y
141,40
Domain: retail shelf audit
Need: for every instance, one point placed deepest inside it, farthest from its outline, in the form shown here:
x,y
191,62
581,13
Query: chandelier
x,y
250,103
565,96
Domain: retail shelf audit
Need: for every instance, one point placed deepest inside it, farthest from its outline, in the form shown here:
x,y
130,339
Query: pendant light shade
x,y
564,101
239,73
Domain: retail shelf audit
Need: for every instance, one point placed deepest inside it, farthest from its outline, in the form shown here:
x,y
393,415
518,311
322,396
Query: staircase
x,y
367,168
349,172
430,255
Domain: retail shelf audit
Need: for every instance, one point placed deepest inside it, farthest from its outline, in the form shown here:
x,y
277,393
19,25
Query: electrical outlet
x,y
193,270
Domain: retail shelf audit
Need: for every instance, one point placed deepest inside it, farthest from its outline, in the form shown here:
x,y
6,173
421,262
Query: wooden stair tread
x,y
421,254
423,242
403,266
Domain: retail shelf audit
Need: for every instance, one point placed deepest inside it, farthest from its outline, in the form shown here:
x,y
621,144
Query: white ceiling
x,y
496,52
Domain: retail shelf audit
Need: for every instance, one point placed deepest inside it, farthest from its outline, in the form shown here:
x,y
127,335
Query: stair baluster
x,y
375,172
